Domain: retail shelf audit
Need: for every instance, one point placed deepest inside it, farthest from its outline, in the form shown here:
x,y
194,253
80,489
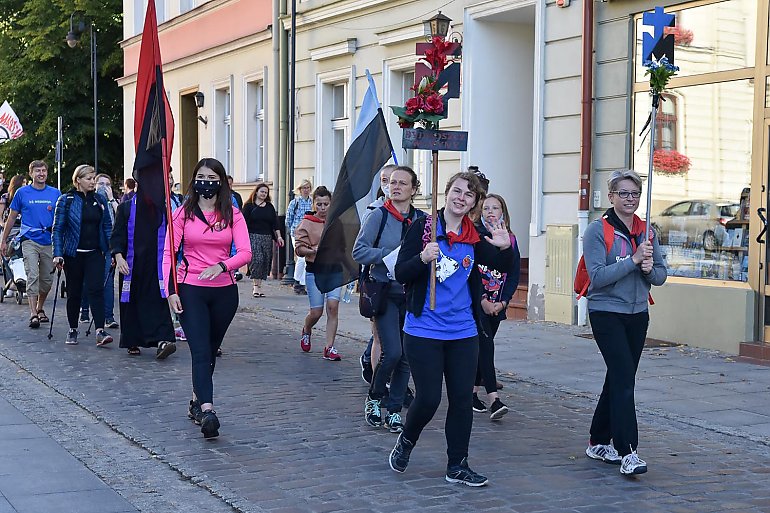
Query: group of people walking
x,y
191,274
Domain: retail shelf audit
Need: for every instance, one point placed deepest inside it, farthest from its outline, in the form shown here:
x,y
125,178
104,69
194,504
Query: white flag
x,y
10,127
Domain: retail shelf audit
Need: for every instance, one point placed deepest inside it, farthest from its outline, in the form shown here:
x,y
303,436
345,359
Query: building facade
x,y
521,102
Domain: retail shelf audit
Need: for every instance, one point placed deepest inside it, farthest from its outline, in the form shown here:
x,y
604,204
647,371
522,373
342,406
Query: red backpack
x,y
582,280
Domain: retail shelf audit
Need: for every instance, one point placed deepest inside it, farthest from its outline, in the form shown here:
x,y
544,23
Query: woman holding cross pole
x,y
435,352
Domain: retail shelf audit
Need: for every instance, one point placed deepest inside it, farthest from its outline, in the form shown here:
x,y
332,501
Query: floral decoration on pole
x,y
660,72
428,106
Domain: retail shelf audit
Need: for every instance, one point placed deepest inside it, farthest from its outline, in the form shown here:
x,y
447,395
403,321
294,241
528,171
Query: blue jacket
x,y
66,224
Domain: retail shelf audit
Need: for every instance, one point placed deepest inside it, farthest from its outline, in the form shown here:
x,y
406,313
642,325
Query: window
x,y
186,5
223,130
703,132
418,160
333,118
339,125
255,131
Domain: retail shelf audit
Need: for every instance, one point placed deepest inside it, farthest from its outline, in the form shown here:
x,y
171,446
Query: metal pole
x,y
59,150
96,107
434,218
655,99
288,278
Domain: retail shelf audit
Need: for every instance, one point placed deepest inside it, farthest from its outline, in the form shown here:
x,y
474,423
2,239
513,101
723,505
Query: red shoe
x,y
304,341
330,353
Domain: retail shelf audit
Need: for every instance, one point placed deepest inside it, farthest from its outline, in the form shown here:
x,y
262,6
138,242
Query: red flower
x,y
434,104
670,162
413,105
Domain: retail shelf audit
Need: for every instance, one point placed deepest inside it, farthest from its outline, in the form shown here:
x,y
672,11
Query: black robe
x,y
146,319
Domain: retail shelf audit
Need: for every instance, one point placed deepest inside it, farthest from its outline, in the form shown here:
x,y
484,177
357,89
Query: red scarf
x,y
468,234
312,217
395,213
637,226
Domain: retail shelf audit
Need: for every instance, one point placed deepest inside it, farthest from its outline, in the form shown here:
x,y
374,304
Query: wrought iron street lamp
x,y
437,26
73,40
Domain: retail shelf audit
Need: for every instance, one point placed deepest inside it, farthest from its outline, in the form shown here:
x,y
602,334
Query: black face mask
x,y
207,188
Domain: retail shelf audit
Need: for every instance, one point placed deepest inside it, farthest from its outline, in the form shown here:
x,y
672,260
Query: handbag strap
x,y
365,271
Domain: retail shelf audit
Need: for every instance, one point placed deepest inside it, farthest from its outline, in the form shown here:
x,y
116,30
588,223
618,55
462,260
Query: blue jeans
x,y
393,366
316,297
109,292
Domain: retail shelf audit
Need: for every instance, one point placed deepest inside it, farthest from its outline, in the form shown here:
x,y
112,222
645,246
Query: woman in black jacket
x,y
262,222
434,350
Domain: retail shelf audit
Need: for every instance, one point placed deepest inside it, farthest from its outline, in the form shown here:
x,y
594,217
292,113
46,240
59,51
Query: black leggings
x,y
486,368
620,338
85,272
207,314
456,362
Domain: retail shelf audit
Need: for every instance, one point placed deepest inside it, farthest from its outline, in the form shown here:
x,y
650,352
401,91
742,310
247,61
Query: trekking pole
x,y
55,296
110,275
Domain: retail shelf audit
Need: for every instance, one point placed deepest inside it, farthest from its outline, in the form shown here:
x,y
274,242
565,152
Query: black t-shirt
x,y
261,220
90,222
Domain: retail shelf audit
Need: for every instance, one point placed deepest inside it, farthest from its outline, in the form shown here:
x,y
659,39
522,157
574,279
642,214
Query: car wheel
x,y
709,241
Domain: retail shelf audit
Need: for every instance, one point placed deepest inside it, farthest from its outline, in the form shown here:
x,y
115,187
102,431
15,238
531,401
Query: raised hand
x,y
499,235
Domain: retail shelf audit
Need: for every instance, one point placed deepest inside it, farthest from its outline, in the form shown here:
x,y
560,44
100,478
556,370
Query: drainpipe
x,y
275,101
586,134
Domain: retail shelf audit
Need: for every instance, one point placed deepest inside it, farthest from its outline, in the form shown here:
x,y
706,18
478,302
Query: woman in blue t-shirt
x,y
443,344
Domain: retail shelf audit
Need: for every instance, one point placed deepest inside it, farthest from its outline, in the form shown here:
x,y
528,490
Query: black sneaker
x,y
393,422
399,456
408,397
209,424
72,337
478,405
111,323
372,412
497,410
165,349
462,473
103,338
194,412
366,370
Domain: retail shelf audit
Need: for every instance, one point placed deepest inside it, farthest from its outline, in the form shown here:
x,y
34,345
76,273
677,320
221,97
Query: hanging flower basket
x,y
670,162
682,36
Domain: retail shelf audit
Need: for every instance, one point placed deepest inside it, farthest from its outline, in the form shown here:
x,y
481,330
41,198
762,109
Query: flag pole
x,y
653,112
169,222
434,218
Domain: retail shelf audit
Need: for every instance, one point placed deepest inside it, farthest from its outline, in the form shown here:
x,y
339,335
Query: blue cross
x,y
658,20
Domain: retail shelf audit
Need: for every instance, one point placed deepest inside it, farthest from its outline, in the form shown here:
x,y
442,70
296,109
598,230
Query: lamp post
x,y
72,41
438,25
288,278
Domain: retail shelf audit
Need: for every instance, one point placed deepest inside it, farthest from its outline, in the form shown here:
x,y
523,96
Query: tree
x,y
43,78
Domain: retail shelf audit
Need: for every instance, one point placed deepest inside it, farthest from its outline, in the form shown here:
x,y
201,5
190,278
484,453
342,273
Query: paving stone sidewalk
x,y
293,437
696,386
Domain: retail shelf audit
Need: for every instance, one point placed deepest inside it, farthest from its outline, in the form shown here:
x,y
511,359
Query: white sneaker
x,y
605,453
633,464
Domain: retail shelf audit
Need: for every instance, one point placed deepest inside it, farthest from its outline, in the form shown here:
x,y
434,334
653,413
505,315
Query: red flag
x,y
153,137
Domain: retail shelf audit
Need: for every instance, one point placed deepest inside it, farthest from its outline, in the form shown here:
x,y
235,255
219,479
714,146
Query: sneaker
x,y
330,353
393,422
602,452
165,349
103,338
373,412
633,464
304,341
209,424
497,410
462,473
408,397
179,335
111,323
72,337
194,412
366,370
399,456
84,317
478,405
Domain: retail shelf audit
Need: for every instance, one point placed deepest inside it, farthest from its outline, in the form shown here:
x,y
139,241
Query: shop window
x,y
701,166
716,37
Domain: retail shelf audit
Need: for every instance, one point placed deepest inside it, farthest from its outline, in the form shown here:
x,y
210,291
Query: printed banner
x,y
10,127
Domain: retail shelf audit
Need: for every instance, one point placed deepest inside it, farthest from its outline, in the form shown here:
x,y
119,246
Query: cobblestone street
x,y
293,437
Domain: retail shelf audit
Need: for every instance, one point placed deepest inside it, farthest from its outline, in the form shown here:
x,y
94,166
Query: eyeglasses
x,y
627,194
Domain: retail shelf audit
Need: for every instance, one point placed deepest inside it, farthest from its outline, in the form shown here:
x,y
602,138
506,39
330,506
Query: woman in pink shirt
x,y
206,299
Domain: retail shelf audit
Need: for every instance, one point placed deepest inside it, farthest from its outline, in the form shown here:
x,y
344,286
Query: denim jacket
x,y
66,224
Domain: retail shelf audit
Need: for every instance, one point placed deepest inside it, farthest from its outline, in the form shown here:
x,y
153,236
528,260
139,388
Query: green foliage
x,y
43,78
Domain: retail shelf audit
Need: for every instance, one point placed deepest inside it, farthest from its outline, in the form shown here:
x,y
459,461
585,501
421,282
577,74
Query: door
x,y
188,139
758,212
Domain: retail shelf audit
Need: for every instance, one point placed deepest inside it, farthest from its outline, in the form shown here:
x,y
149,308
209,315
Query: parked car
x,y
694,223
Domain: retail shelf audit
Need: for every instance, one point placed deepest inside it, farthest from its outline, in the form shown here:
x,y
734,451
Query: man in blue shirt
x,y
35,203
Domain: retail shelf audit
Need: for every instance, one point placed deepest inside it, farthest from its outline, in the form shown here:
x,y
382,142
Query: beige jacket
x,y
307,236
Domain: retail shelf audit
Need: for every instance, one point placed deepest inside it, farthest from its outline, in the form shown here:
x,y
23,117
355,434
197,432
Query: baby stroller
x,y
13,273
